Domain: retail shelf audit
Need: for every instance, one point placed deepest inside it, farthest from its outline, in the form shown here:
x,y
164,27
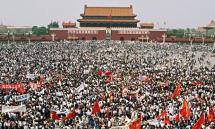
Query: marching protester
x,y
106,85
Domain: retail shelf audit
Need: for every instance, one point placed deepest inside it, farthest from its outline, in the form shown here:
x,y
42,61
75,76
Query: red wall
x,y
63,34
100,36
153,35
60,34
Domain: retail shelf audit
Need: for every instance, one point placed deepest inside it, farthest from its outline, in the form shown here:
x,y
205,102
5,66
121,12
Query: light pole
x,y
191,41
203,40
142,38
213,36
8,36
147,39
53,37
13,36
29,37
164,38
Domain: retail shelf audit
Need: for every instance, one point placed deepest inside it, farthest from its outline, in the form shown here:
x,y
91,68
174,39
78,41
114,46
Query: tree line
x,y
44,30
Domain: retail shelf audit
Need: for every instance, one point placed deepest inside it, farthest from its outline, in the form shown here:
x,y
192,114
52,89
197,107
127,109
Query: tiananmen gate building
x,y
108,23
108,17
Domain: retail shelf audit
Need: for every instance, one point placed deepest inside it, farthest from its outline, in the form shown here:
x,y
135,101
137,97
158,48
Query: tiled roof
x,y
108,11
147,24
106,20
212,24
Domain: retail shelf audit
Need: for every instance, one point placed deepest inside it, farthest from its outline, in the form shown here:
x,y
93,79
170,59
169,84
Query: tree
x,y
53,25
39,30
176,32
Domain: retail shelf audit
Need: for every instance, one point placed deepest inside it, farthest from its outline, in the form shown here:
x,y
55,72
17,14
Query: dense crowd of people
x,y
128,80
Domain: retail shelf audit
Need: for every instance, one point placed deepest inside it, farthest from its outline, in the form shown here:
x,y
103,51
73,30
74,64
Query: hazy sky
x,y
176,13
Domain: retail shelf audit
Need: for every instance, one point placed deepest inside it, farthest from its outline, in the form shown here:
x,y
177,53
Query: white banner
x,y
21,108
81,87
22,97
120,127
30,76
87,71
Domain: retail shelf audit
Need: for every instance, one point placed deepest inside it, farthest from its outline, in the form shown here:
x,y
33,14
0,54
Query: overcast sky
x,y
176,13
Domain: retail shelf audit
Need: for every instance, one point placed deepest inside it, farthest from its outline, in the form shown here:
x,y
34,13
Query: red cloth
x,y
166,120
176,91
211,115
10,86
70,116
96,108
100,73
20,90
34,85
185,110
177,118
54,116
136,124
109,79
108,73
197,83
161,115
199,122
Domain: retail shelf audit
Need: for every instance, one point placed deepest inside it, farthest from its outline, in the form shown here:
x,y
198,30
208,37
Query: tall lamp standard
x,y
8,36
29,37
191,41
53,37
164,38
203,40
213,36
13,36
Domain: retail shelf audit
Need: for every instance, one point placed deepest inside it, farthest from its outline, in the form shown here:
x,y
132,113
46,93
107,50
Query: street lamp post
x,y
8,37
214,41
147,39
203,40
13,36
164,38
142,38
53,37
191,41
29,37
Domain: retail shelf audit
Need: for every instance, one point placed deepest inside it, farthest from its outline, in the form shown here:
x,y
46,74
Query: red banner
x,y
10,86
135,124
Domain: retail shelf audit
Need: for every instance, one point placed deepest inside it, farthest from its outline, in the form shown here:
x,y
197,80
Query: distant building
x,y
108,17
211,25
108,23
147,25
69,24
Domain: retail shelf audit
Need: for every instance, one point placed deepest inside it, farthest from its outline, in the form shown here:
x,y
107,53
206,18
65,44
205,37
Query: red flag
x,y
166,120
176,91
136,124
185,110
108,73
199,122
211,115
177,117
162,114
100,73
96,108
109,79
69,116
197,83
54,116
20,90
